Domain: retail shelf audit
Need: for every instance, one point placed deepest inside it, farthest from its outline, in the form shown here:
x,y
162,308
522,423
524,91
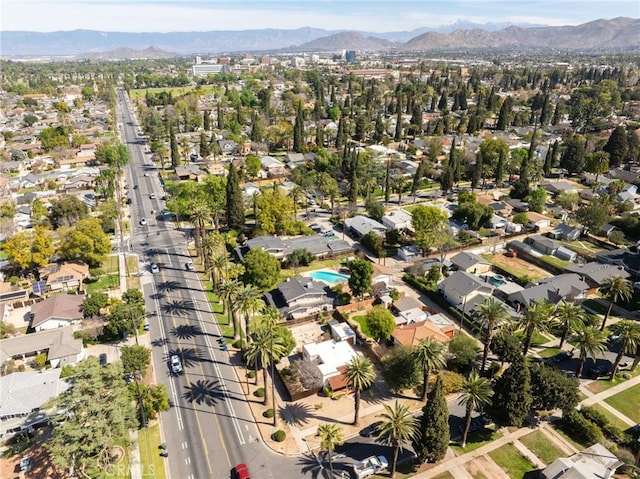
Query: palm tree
x,y
590,342
218,268
614,289
360,375
398,429
228,292
429,355
330,437
264,351
296,194
491,314
211,244
476,392
248,302
200,215
628,336
569,317
537,317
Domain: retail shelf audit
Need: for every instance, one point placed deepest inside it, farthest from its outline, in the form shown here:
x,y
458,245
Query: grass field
x,y
103,283
510,459
175,91
627,402
150,459
552,260
111,264
612,418
548,352
604,384
569,439
361,320
540,445
477,439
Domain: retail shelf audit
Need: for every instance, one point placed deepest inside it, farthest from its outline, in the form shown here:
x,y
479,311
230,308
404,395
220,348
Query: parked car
x,y
176,364
143,221
154,268
241,471
25,464
152,196
562,356
371,429
103,359
598,371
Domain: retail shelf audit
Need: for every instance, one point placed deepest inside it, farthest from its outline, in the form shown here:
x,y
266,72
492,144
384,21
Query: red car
x,y
241,472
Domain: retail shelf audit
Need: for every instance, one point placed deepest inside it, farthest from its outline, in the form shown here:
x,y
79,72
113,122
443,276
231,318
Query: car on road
x,y
143,221
190,266
103,359
135,187
129,201
152,196
636,285
155,268
371,429
176,364
241,471
146,174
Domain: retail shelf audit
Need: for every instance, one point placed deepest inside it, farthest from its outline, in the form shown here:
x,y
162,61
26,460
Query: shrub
x,y
580,428
259,393
251,374
95,272
279,435
14,280
326,390
595,416
452,381
237,344
67,370
268,413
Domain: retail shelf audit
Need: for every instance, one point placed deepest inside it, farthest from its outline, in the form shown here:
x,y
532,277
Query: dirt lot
x,y
519,267
41,466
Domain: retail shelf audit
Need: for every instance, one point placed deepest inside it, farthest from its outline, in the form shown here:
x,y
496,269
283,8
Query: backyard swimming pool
x,y
329,277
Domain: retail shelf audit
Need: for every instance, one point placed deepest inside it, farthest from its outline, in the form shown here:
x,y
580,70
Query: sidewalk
x,y
600,397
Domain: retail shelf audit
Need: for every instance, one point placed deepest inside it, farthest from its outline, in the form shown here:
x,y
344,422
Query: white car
x,y
154,268
176,364
143,221
152,196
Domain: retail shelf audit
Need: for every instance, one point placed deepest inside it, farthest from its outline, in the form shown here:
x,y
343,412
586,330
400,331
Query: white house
x,y
331,355
397,220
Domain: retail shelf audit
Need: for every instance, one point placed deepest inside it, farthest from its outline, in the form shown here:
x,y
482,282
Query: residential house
x,y
538,220
596,274
360,225
543,244
501,208
342,332
59,344
57,311
460,287
622,257
64,276
409,310
272,167
565,287
409,253
294,159
557,187
470,263
565,232
410,334
249,190
397,220
228,147
518,205
299,297
594,462
331,357
444,324
319,245
606,230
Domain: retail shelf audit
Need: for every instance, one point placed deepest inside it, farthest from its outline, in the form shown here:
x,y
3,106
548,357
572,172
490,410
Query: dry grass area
x,y
519,267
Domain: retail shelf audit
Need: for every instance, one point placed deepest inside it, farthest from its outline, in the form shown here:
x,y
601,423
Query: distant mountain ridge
x,y
615,34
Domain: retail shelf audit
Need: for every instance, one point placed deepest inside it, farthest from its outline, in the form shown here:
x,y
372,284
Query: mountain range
x,y
616,34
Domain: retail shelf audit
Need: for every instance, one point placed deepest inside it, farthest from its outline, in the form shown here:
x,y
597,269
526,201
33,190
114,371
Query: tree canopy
x,y
261,269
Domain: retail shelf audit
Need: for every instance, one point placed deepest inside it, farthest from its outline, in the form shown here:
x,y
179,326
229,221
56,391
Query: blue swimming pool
x,y
329,277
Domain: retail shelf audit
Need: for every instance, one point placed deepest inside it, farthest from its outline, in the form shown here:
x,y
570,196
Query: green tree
x,y
537,200
627,335
476,393
380,322
263,351
361,274
228,291
235,204
86,242
568,317
475,215
248,302
92,305
330,437
374,209
30,248
154,399
398,429
552,389
374,242
506,346
573,155
593,216
261,269
615,288
464,350
95,422
360,375
67,211
400,370
275,211
512,395
597,163
590,342
300,257
252,165
491,316
617,146
567,200
432,438
535,318
135,359
429,357
173,148
429,224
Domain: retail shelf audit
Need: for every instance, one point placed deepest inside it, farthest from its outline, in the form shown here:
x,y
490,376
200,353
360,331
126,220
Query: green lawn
x,y
627,402
612,418
111,264
552,260
477,439
579,446
540,445
175,91
604,384
361,320
150,459
510,459
548,352
103,283
537,339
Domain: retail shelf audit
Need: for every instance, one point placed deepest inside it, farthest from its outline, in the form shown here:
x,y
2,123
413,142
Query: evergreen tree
x,y
235,205
341,136
220,117
205,150
257,127
206,117
398,134
432,440
548,161
502,159
175,153
617,147
504,118
387,183
442,103
378,134
477,172
512,395
298,130
526,163
319,135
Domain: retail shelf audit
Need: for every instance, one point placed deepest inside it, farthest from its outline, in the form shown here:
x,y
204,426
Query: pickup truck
x,y
370,466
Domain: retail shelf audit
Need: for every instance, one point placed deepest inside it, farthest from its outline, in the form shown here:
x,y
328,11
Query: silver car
x,y
176,364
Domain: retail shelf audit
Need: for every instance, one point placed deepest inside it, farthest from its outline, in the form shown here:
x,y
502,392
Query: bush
x,y
279,435
595,416
251,374
95,272
580,428
452,381
268,413
14,280
326,390
259,393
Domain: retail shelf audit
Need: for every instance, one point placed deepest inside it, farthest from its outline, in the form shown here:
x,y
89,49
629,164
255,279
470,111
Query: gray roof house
x,y
595,274
622,257
595,462
470,262
318,245
397,220
360,225
461,286
543,244
59,344
299,297
564,232
567,287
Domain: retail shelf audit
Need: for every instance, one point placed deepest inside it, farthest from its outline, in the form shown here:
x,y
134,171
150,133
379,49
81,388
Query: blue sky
x,y
364,15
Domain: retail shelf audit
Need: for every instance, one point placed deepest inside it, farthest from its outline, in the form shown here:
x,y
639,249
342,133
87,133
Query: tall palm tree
x,y
247,303
270,318
264,351
429,355
228,291
296,194
200,215
476,392
360,375
591,342
398,429
330,437
211,245
492,315
614,289
628,337
569,317
218,268
537,317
